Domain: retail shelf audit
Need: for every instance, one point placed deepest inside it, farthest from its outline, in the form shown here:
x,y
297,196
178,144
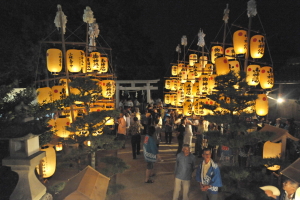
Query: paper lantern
x,y
44,95
222,66
61,124
180,96
193,59
63,82
98,107
174,70
197,106
240,41
196,89
257,46
216,51
234,66
203,61
272,150
188,108
108,88
58,92
83,61
203,84
181,87
93,62
176,84
262,105
252,78
191,77
209,68
266,77
183,76
190,68
109,106
74,58
103,64
47,165
173,85
188,86
212,83
167,99
168,84
180,67
109,121
54,60
172,99
198,70
59,146
251,108
229,53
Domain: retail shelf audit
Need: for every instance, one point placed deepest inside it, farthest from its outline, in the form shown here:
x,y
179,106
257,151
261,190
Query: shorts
x,y
149,165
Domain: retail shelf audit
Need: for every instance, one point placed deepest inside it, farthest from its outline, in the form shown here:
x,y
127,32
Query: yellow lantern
x,y
222,66
181,87
109,106
188,89
172,99
167,99
61,124
44,95
240,41
266,77
97,107
198,70
262,105
197,106
83,61
47,165
203,84
173,84
103,64
74,60
192,59
229,53
216,51
252,78
203,61
251,108
63,82
54,60
211,83
59,146
190,68
272,150
257,46
174,70
196,89
109,121
183,76
204,111
191,77
176,84
58,92
93,62
180,96
180,67
234,66
108,88
188,107
209,68
168,84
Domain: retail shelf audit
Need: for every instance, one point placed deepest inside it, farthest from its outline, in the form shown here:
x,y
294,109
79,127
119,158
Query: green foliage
x,y
114,165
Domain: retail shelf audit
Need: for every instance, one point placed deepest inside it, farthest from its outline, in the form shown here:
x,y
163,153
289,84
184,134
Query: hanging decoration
x,y
44,95
54,60
216,51
57,19
222,66
266,77
229,53
257,46
192,59
253,75
240,41
201,41
74,60
262,105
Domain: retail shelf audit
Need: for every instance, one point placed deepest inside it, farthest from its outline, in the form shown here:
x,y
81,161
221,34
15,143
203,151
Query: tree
x,y
232,98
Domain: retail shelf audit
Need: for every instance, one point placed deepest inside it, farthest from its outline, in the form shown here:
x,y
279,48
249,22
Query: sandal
x,y
149,181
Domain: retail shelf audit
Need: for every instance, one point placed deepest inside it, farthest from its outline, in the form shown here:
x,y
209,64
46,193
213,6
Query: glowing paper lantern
x,y
176,84
61,124
44,95
196,89
234,66
167,99
192,59
216,51
191,77
63,82
83,61
198,70
272,150
188,108
188,89
47,165
103,64
58,92
108,88
190,68
180,66
240,41
174,70
229,53
109,106
203,61
74,58
54,60
59,146
252,78
172,99
203,84
212,83
257,46
262,105
222,66
97,107
109,121
180,96
173,86
209,68
266,77
250,108
93,62
168,84
183,76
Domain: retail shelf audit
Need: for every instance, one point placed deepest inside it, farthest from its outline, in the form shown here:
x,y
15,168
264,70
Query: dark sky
x,y
167,20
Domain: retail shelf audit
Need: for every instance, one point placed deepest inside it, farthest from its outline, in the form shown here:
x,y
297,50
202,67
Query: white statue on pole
x,y
57,19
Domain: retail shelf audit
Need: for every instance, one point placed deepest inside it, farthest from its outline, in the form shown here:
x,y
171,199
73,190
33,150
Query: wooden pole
x,y
248,41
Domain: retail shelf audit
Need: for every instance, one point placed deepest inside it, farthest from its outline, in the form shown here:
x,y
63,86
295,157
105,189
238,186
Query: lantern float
x,y
167,99
266,77
240,41
174,70
74,60
234,66
216,51
257,46
103,64
202,61
168,84
229,53
188,107
192,59
253,75
188,89
94,62
44,95
209,68
222,66
54,60
58,92
108,88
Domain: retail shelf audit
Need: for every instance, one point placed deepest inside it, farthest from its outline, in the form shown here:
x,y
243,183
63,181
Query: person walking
x,y
150,153
121,134
135,131
209,177
184,167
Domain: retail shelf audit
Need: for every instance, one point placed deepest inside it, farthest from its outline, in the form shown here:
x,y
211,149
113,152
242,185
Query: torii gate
x,y
146,86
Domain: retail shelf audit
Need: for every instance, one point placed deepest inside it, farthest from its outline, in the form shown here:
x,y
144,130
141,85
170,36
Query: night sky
x,y
167,21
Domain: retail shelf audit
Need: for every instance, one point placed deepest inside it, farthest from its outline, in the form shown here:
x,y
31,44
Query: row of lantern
x,y
58,92
59,126
77,61
195,106
255,74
